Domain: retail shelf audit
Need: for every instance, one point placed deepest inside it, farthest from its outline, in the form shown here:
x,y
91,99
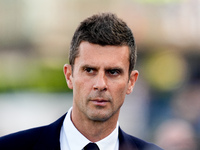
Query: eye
x,y
114,72
89,70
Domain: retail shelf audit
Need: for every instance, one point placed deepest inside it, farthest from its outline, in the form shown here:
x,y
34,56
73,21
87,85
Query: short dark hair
x,y
104,29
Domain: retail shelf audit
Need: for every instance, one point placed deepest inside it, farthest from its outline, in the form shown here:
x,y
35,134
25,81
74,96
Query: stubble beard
x,y
100,113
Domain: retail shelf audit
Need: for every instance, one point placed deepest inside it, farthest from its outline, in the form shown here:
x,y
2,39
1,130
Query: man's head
x,y
104,29
100,72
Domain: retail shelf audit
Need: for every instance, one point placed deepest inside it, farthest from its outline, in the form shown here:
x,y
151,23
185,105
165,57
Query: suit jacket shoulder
x,y
128,142
40,138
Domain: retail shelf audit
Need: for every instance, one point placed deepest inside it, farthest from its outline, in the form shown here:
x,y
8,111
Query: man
x,y
102,59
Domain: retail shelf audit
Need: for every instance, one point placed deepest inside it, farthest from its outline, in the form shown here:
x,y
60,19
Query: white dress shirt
x,y
72,139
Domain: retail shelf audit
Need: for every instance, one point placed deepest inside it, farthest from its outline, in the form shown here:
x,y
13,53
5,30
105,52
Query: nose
x,y
100,83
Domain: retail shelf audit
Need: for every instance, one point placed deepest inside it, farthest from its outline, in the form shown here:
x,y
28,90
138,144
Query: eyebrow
x,y
106,69
89,66
116,68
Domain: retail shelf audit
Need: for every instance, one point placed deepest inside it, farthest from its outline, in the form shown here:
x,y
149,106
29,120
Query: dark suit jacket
x,y
47,138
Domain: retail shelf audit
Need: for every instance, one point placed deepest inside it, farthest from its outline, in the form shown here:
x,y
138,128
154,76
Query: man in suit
x,y
101,73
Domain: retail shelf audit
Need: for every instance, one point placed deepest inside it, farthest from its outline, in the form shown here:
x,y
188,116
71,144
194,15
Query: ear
x,y
68,75
133,78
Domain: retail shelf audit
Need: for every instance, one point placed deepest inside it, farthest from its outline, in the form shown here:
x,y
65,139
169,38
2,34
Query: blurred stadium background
x,y
34,41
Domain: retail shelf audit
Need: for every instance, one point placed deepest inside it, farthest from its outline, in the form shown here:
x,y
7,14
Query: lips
x,y
100,102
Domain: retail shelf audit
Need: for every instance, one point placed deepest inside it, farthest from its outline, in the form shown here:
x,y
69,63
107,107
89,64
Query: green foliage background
x,y
39,77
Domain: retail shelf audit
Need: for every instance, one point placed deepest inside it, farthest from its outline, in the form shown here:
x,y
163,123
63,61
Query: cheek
x,y
119,91
81,87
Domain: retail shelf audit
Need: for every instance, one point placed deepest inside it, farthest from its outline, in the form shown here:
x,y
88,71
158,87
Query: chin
x,y
100,117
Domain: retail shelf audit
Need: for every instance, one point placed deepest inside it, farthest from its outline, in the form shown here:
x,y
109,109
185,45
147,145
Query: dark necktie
x,y
91,146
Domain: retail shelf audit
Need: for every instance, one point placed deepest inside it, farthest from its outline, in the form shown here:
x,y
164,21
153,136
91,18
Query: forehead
x,y
108,55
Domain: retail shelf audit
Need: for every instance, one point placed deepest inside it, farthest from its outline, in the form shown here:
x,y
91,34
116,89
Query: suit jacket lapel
x,y
125,142
50,136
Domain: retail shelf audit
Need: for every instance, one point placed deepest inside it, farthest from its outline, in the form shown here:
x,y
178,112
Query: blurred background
x,y
164,108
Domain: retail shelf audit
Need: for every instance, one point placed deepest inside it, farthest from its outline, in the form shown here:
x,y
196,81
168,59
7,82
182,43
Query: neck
x,y
94,130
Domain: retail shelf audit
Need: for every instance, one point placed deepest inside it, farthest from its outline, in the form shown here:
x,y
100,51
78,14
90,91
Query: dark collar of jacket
x,y
47,138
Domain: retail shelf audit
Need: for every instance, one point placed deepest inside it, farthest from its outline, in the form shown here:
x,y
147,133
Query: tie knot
x,y
91,146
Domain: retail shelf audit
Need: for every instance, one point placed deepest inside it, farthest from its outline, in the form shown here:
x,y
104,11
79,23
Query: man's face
x,y
100,80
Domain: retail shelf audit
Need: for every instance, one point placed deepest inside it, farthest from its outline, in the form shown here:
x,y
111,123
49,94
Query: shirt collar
x,y
110,142
76,140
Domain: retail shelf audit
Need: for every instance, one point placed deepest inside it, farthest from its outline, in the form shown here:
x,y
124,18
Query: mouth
x,y
100,102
